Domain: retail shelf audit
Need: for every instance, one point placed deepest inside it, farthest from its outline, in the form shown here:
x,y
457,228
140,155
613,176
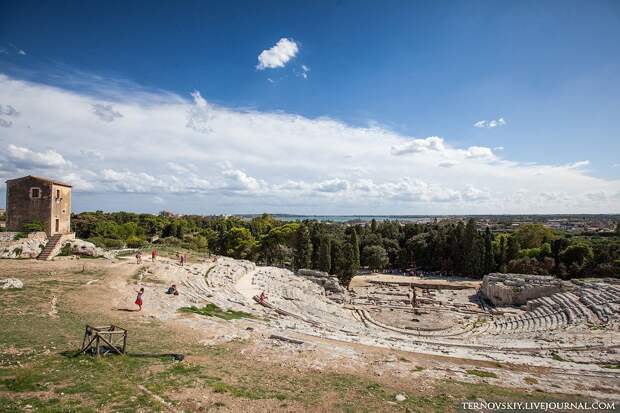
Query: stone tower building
x,y
35,199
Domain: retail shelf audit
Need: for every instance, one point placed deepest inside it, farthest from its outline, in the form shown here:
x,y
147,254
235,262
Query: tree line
x,y
454,247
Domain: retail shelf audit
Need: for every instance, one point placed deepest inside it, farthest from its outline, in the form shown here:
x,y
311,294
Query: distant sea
x,y
429,218
348,218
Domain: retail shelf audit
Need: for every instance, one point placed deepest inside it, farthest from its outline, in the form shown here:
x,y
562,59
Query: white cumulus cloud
x,y
26,158
278,55
490,124
204,158
433,143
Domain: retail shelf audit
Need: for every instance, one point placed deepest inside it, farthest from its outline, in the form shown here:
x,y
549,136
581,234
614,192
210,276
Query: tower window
x,y
35,192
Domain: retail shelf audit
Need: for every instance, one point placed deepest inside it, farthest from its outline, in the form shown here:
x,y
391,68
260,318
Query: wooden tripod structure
x,y
100,340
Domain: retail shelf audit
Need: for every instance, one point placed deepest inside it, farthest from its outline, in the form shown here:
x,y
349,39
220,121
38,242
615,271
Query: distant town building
x,y
33,199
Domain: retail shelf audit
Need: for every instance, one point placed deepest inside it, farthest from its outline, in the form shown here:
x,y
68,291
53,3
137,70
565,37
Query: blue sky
x,y
549,70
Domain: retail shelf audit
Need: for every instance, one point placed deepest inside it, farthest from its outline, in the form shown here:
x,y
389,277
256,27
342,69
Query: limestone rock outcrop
x,y
330,283
81,247
8,283
517,289
29,247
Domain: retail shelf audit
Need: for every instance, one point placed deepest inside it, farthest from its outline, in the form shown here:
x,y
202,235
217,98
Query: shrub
x,y
200,243
135,242
106,242
212,310
65,251
481,373
20,235
172,241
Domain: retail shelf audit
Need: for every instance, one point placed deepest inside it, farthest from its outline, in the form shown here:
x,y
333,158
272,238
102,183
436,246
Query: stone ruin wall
x,y
517,289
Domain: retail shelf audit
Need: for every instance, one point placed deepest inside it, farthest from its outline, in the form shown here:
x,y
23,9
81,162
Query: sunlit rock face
x,y
517,289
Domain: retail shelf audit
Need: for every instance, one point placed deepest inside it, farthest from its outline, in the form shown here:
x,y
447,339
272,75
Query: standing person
x,y
139,258
412,297
138,301
154,255
181,259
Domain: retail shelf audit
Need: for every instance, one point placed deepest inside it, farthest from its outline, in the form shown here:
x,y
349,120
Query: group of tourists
x,y
139,256
172,290
182,257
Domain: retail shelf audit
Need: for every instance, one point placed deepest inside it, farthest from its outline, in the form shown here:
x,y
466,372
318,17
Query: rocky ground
x,y
301,352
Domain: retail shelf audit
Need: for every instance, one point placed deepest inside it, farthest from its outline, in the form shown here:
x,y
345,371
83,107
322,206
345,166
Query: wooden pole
x,y
112,346
84,348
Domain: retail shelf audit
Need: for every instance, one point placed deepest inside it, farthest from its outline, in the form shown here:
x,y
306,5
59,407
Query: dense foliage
x,y
453,247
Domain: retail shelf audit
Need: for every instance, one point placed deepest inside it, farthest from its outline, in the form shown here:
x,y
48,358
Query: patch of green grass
x,y
24,379
530,380
435,403
212,310
418,368
52,405
611,366
253,392
481,373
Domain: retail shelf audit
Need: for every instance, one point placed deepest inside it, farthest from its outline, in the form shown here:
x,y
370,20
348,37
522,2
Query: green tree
x,y
533,235
576,254
557,246
325,259
489,254
241,243
355,246
375,257
501,262
348,270
170,230
303,248
512,249
473,249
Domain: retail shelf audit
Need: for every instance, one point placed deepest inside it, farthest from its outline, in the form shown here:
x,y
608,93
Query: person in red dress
x,y
138,301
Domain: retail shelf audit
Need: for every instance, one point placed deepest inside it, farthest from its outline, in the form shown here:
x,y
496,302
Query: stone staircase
x,y
51,248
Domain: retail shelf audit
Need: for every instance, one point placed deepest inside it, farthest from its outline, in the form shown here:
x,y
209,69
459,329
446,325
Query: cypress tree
x,y
502,254
355,247
489,258
471,249
458,250
513,248
335,252
303,244
325,259
349,263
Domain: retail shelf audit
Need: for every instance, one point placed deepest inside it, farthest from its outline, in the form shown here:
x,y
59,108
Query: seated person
x,y
172,290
